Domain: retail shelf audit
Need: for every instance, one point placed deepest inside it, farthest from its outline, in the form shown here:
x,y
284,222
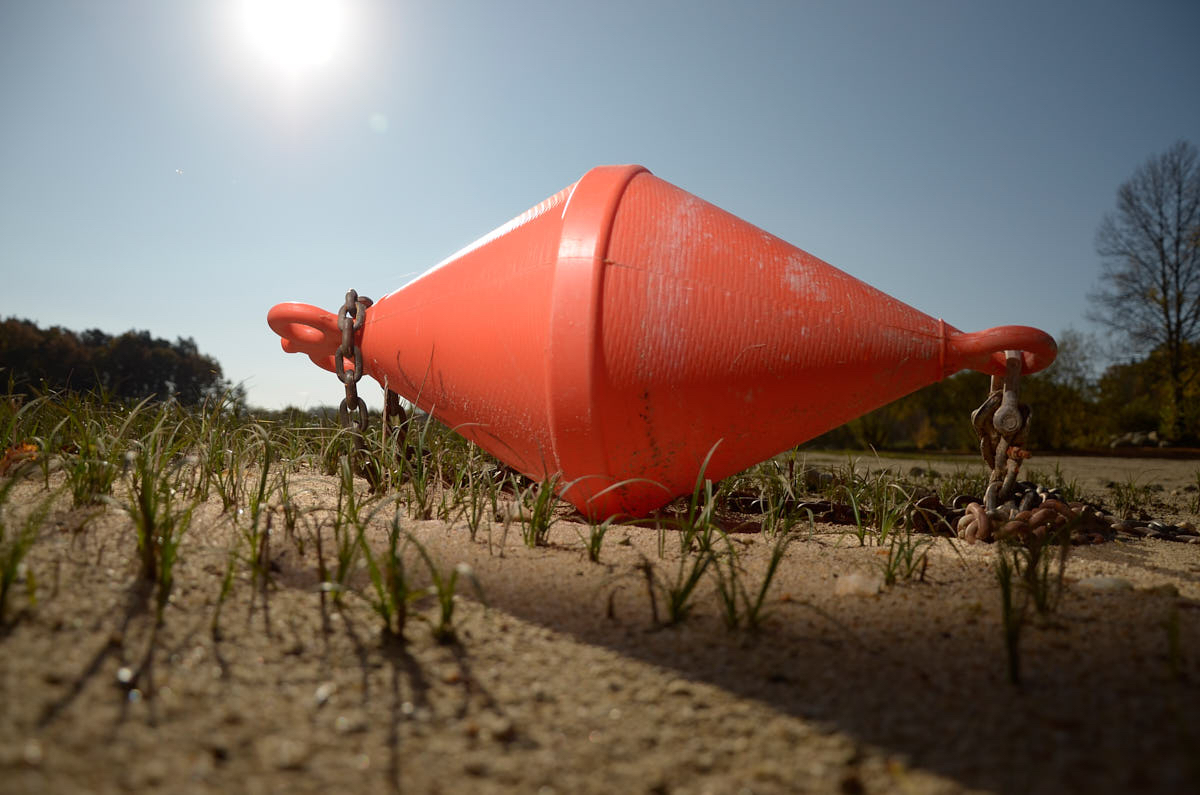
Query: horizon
x,y
180,168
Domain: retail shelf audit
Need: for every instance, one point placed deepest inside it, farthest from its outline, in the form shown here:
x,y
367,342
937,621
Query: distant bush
x,y
1073,408
130,365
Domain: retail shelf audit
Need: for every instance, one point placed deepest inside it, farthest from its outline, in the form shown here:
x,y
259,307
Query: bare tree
x,y
1150,282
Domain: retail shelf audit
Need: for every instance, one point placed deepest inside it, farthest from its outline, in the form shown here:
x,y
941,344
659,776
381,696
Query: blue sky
x,y
160,172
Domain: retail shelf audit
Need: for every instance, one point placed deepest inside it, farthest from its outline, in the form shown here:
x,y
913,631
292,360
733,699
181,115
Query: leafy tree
x,y
1129,396
1149,291
132,365
1063,398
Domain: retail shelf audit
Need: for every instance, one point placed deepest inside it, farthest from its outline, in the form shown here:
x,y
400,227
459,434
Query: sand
x,y
561,681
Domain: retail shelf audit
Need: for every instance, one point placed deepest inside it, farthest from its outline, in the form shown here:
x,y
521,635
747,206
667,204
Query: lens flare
x,y
293,36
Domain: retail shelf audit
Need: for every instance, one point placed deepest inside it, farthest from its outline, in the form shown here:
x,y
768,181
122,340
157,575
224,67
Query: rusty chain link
x,y
1002,423
395,420
350,320
395,425
352,412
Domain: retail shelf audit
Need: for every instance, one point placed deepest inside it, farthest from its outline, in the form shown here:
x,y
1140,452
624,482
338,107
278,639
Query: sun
x,y
293,36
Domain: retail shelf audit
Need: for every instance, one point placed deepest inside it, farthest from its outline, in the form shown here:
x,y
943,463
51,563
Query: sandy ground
x,y
560,680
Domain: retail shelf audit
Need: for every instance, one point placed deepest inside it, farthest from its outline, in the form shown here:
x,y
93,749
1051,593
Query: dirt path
x,y
563,682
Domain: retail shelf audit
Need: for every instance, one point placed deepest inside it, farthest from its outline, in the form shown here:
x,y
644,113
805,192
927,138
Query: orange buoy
x,y
622,329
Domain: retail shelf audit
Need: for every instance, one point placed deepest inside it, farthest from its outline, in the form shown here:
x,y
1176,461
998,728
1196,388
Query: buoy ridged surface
x,y
622,329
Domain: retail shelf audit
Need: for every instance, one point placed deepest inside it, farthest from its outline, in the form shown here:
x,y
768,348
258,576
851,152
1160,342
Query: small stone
x,y
679,687
1105,583
31,752
476,767
151,773
858,584
324,692
282,753
498,727
815,480
353,723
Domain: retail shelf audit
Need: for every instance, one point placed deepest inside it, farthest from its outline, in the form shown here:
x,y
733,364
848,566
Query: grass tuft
x,y
537,505
17,538
160,516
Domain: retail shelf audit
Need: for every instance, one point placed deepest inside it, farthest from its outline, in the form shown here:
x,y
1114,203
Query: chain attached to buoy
x,y
1002,423
352,412
350,320
395,419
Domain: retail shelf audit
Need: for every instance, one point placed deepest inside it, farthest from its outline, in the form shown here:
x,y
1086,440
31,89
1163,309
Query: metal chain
x,y
395,419
1029,525
350,320
395,425
1002,423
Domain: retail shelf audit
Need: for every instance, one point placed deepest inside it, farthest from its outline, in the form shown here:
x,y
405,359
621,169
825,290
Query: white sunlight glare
x,y
293,36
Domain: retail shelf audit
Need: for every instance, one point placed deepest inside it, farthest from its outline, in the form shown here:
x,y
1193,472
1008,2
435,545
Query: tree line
x,y
130,365
1147,298
1072,408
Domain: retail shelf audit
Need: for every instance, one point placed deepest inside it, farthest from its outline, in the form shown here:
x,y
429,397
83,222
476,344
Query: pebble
x,y
816,480
498,727
150,773
858,584
1102,582
282,753
352,723
679,687
324,692
31,752
476,767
